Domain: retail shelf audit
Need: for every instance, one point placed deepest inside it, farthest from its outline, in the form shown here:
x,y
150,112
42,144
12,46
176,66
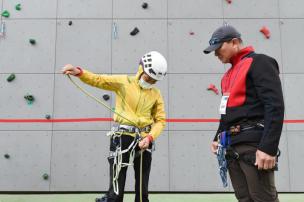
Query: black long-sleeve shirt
x,y
255,93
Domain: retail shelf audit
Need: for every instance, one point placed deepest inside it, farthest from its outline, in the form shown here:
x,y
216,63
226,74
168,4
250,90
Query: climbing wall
x,y
52,136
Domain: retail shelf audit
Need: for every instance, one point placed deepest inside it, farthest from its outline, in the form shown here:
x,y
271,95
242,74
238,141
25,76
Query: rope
x,y
140,176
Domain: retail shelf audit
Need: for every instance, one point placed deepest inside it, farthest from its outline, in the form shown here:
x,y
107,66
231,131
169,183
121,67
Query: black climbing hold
x,y
48,116
45,176
32,41
70,23
144,5
106,97
7,156
134,31
11,77
29,98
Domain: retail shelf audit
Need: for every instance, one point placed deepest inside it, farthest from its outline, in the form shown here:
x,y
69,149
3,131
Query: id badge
x,y
223,104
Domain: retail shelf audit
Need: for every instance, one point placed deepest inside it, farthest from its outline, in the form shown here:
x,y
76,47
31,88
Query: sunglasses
x,y
214,41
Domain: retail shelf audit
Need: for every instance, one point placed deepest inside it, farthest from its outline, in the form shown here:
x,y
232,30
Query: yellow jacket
x,y
141,106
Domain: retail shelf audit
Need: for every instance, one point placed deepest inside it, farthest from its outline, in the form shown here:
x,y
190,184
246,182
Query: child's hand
x,y
70,70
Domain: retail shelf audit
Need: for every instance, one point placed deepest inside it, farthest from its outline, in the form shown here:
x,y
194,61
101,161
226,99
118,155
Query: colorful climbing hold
x,y
229,1
265,31
144,5
213,88
134,31
191,33
32,41
7,156
48,116
11,78
45,176
106,97
70,23
18,7
29,99
5,13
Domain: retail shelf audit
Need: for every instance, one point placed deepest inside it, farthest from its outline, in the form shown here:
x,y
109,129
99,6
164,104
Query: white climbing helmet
x,y
155,65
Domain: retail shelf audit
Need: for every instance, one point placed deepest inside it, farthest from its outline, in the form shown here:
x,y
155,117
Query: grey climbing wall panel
x,y
192,89
126,50
31,9
21,56
81,9
14,106
251,9
87,36
30,154
133,9
96,35
78,157
185,39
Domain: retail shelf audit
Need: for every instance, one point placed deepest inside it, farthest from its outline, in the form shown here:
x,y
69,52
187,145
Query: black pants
x,y
146,167
249,183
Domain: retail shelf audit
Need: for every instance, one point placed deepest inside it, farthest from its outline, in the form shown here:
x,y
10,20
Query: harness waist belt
x,y
132,129
235,129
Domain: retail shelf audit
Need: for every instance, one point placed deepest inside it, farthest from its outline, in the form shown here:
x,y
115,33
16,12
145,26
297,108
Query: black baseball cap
x,y
221,35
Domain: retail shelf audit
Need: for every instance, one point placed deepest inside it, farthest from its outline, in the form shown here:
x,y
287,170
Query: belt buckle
x,y
234,130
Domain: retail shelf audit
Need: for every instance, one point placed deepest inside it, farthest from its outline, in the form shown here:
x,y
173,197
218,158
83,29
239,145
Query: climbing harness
x,y
116,132
117,156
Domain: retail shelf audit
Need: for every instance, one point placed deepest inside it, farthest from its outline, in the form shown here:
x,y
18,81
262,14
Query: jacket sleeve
x,y
103,81
159,116
219,130
265,76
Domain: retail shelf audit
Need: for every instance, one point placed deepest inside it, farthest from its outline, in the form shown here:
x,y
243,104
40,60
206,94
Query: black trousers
x,y
146,167
249,183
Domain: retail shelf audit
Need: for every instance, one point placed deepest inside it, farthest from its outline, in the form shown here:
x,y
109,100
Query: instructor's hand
x,y
144,143
264,161
214,147
71,70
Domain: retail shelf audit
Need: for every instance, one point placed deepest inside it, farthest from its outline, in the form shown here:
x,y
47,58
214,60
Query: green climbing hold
x,y
32,41
29,99
11,78
45,176
7,156
5,13
18,7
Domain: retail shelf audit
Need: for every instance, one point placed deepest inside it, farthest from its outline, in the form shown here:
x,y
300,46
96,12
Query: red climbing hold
x,y
191,33
213,88
229,1
265,31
